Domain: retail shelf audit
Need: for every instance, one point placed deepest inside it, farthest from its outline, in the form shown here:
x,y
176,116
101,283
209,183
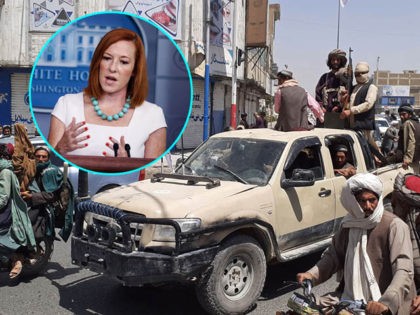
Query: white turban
x,y
362,67
358,182
359,279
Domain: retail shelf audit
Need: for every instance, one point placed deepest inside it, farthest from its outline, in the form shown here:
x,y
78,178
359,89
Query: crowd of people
x,y
340,104
372,253
373,250
29,184
5,131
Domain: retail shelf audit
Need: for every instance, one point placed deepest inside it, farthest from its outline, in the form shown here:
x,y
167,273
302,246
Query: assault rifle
x,y
349,83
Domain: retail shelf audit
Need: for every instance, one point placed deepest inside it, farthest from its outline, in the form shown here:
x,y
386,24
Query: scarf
x,y
5,164
51,176
360,282
23,157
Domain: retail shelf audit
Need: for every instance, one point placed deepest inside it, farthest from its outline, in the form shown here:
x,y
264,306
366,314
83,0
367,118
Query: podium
x,y
107,164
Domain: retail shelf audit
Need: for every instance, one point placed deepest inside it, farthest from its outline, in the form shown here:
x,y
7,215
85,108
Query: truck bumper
x,y
138,268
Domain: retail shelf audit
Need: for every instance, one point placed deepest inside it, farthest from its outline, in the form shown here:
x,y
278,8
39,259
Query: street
x,y
66,289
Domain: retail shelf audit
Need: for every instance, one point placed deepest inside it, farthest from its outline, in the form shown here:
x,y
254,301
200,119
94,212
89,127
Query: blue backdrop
x,y
62,67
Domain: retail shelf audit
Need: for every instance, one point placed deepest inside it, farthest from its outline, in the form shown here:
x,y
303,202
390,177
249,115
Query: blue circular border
x,y
134,17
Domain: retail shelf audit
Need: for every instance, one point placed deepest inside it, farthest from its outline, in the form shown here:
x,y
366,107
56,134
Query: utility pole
x,y
338,24
234,57
207,75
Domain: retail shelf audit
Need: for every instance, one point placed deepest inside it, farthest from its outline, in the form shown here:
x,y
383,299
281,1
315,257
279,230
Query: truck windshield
x,y
249,161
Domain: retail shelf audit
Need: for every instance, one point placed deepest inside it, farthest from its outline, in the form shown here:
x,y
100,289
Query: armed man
x,y
331,85
361,110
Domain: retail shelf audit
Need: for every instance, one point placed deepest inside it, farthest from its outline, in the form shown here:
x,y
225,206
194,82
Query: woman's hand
x,y
72,139
119,147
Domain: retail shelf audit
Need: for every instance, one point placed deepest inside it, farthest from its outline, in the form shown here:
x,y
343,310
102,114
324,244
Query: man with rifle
x,y
361,109
333,84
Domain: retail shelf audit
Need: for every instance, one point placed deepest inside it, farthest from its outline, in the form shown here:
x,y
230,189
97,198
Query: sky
x,y
307,32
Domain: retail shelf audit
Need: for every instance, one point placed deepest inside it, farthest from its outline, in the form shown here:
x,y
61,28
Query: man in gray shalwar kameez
x,y
373,251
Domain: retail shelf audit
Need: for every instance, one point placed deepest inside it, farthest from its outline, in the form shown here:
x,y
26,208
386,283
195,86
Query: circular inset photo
x,y
111,92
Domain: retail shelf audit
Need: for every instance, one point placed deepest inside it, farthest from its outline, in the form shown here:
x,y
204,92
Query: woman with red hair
x,y
111,117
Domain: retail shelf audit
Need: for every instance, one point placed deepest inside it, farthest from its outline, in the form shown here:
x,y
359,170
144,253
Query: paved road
x,y
66,289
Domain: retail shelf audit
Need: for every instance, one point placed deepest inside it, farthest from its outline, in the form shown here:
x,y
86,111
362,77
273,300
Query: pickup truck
x,y
241,200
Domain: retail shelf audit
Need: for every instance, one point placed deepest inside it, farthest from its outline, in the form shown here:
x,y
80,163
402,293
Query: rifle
x,y
349,83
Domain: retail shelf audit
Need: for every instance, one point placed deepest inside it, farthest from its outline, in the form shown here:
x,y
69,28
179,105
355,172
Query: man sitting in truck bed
x,y
340,162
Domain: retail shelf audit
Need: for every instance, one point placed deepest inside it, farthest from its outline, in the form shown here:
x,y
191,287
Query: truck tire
x,y
235,278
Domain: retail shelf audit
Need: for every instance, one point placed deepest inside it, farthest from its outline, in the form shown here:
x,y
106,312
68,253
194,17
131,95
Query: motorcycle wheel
x,y
45,247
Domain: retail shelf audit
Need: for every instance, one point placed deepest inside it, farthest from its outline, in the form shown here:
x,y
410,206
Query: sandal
x,y
16,267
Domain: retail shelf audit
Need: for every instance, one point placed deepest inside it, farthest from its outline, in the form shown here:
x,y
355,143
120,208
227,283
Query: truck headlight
x,y
166,233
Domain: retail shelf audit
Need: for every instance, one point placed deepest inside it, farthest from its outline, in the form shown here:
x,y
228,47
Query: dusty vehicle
x,y
241,200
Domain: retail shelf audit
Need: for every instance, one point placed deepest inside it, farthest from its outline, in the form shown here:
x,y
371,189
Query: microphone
x,y
116,147
128,148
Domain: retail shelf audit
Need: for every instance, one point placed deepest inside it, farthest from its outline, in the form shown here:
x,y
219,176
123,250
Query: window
x,y
80,55
63,39
344,144
307,157
63,55
251,161
80,40
49,53
91,40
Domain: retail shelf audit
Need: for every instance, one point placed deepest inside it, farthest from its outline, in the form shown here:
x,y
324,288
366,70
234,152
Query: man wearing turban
x,y
409,138
372,250
361,113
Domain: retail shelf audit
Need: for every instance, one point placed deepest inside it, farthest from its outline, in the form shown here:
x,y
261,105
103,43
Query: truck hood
x,y
170,198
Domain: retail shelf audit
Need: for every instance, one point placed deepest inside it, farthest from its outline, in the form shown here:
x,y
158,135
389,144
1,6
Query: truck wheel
x,y
235,279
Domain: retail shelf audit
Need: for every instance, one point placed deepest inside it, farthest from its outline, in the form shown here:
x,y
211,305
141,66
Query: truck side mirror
x,y
300,178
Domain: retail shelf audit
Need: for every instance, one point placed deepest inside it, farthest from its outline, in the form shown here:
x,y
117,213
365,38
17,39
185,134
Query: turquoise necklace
x,y
104,116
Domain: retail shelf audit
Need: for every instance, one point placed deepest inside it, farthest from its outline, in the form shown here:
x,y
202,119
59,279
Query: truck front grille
x,y
104,225
107,231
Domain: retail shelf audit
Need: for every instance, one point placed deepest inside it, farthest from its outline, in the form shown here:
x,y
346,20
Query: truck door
x,y
305,214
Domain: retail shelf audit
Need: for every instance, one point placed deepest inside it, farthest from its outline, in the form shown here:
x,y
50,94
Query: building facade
x,y
397,88
26,25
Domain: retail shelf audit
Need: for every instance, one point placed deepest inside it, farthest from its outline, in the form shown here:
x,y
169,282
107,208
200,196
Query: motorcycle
x,y
44,220
304,304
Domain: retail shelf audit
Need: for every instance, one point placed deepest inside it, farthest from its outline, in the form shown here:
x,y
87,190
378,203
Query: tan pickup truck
x,y
241,200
